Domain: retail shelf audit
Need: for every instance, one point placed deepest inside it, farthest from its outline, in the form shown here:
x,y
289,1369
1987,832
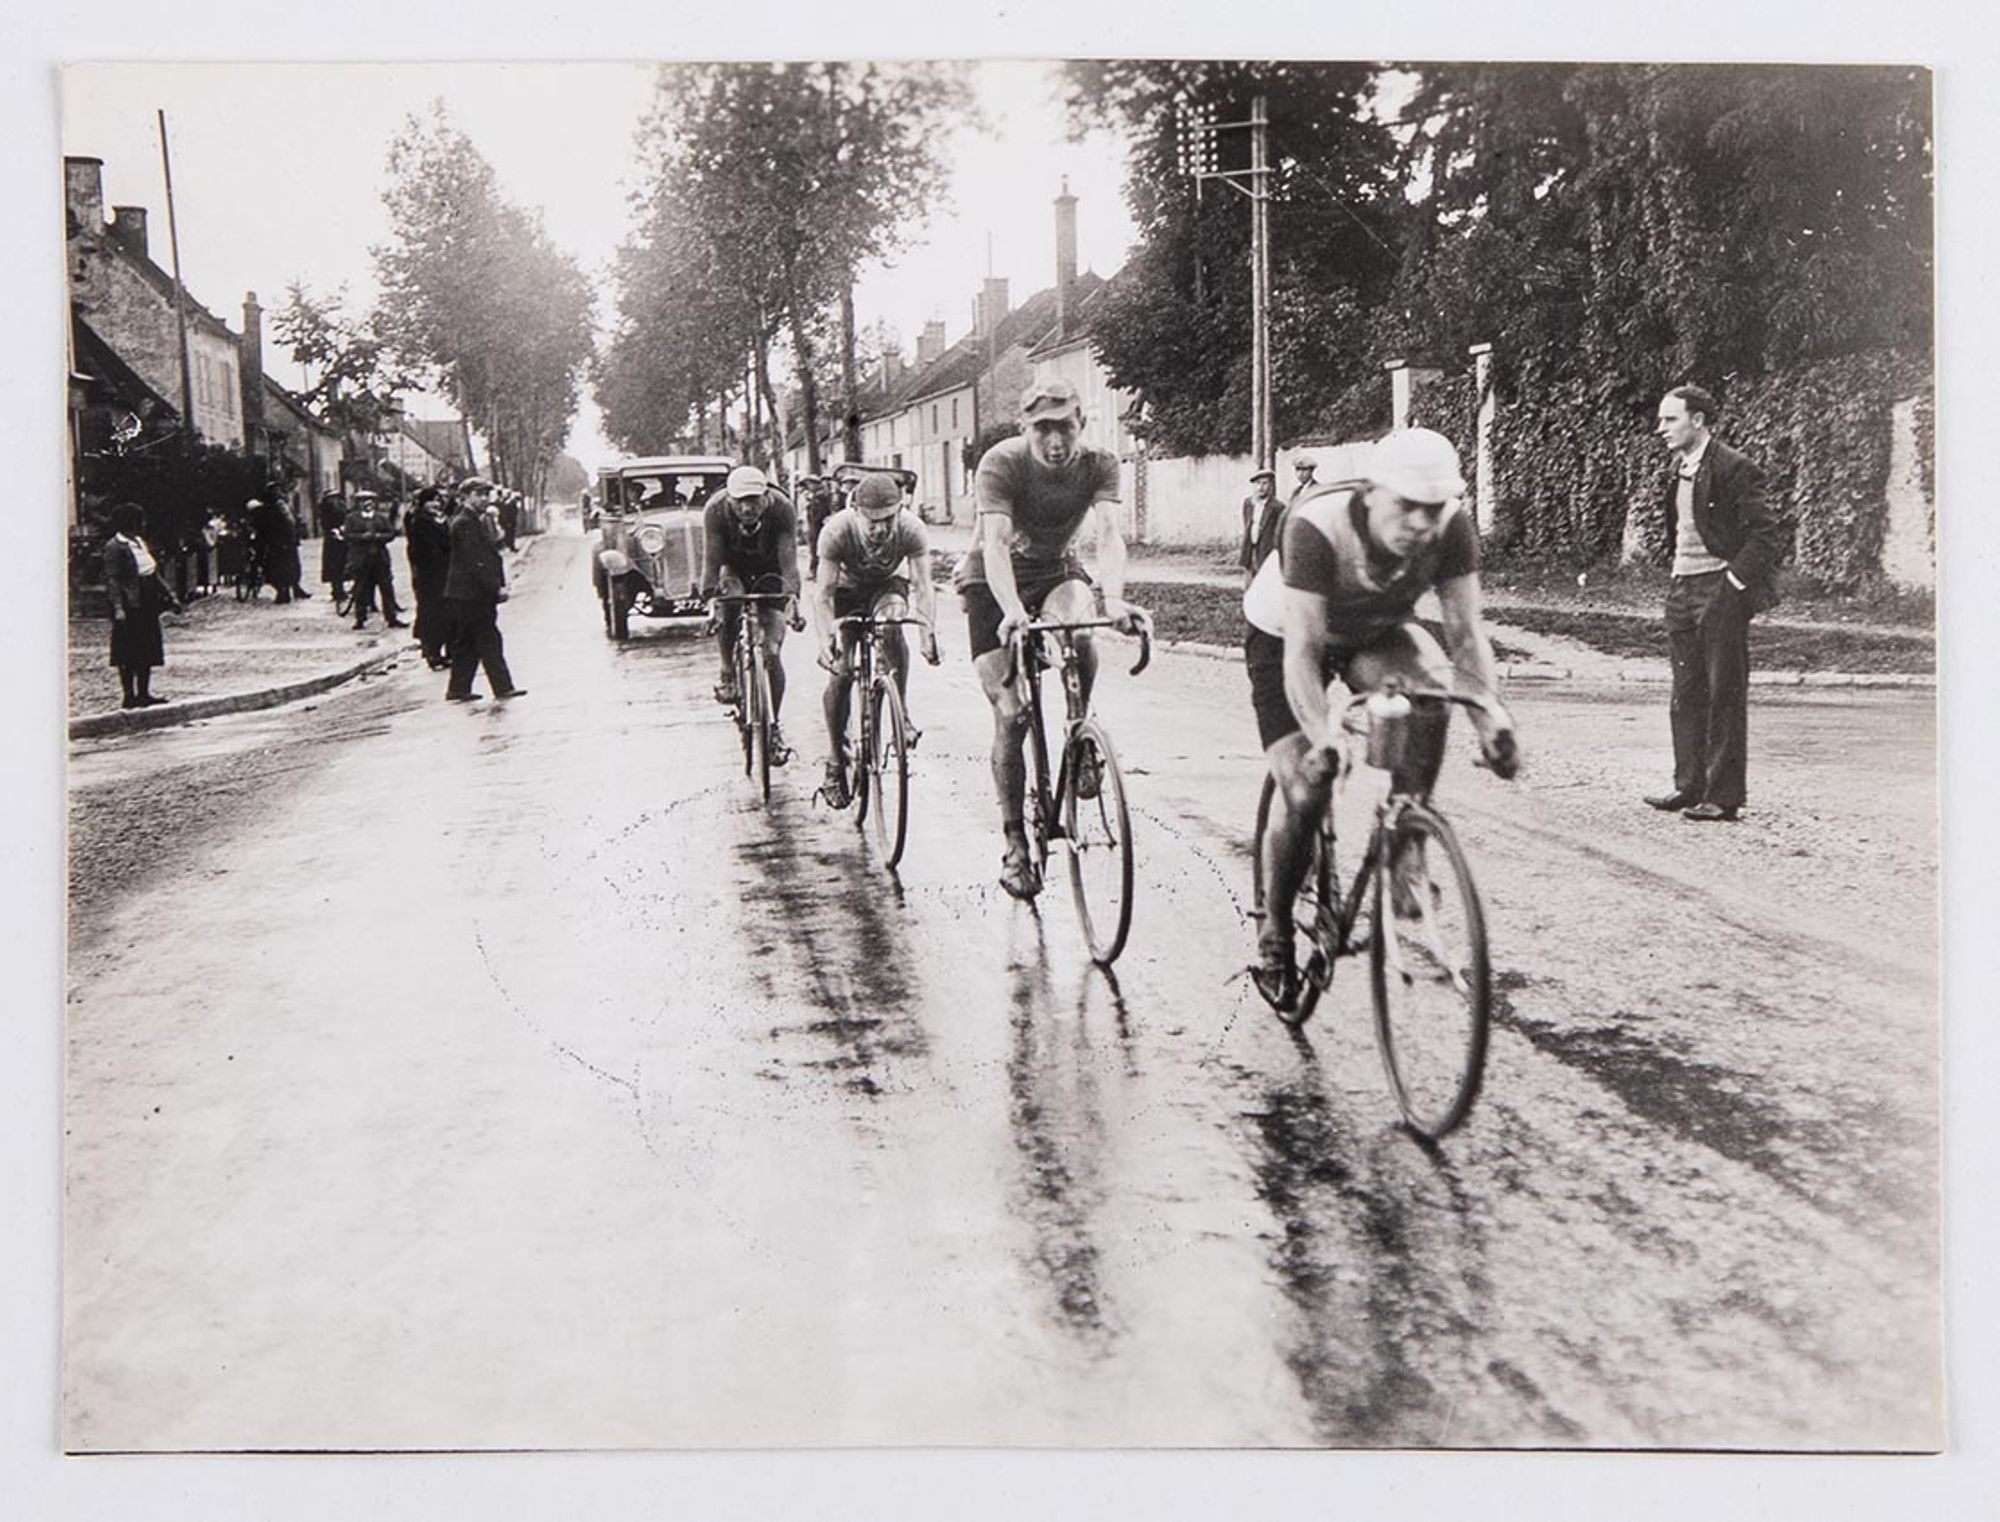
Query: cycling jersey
x,y
1045,506
843,544
1327,551
770,549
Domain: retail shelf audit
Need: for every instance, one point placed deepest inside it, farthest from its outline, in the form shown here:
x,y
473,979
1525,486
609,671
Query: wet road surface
x,y
508,1076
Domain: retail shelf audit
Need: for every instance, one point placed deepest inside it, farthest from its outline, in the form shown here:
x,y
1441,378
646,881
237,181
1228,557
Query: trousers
x,y
1708,643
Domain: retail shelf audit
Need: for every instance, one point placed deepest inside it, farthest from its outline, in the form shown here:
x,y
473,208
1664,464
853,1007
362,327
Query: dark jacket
x,y
1256,547
476,573
429,547
1734,518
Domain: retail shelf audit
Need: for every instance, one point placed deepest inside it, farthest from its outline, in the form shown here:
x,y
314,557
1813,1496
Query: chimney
x,y
128,227
83,193
1065,260
892,367
930,345
250,364
992,306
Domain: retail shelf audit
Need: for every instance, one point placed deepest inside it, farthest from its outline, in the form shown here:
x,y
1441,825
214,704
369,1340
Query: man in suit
x,y
1261,512
475,585
1305,477
1724,541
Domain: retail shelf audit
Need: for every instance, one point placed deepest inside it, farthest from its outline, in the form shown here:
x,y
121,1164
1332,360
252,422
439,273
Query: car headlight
x,y
652,539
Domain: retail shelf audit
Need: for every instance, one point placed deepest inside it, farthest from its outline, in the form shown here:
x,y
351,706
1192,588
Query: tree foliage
x,y
766,187
359,376
1175,324
475,292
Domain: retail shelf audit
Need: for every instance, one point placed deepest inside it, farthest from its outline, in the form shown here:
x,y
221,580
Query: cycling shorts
x,y
1407,651
982,608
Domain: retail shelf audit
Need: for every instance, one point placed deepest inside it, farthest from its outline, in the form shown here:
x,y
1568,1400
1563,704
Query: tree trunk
x,y
802,355
773,410
850,412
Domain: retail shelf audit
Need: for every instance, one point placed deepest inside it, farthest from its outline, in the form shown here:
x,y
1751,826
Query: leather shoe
x,y
1668,803
461,697
512,692
1710,813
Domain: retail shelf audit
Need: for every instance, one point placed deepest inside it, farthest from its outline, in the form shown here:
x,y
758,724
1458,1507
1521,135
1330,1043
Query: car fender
x,y
614,562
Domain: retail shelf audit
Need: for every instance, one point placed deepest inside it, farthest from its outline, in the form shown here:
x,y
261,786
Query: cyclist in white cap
x,y
1342,590
874,558
752,537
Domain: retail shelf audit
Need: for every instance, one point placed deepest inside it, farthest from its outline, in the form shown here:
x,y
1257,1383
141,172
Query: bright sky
x,y
278,170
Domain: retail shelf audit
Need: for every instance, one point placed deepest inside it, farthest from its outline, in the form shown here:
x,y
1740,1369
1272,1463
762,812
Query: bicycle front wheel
x,y
1433,986
888,770
759,716
1099,829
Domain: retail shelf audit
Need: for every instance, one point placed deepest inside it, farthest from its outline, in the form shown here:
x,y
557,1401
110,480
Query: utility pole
x,y
180,293
1199,158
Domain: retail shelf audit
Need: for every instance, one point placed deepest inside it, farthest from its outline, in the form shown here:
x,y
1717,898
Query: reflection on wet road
x,y
742,1139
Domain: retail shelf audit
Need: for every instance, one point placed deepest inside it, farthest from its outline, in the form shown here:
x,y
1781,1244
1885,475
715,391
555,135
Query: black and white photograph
x,y
1033,751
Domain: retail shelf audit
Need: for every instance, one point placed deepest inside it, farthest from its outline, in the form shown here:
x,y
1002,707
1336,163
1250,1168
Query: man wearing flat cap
x,y
1262,514
475,584
1305,476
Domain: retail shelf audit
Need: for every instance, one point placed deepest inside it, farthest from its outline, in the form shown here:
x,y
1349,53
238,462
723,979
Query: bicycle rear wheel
x,y
1099,829
1313,909
888,770
1432,982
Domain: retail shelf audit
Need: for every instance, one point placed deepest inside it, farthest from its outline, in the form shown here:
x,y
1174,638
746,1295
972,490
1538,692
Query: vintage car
x,y
650,544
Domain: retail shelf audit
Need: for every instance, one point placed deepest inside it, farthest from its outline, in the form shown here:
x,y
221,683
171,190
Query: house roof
x,y
1089,287
163,283
101,362
1028,326
273,392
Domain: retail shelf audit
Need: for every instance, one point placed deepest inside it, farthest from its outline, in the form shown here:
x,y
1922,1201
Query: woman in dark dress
x,y
138,597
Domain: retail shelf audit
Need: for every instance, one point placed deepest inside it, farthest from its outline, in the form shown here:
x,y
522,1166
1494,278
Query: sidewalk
x,y
225,656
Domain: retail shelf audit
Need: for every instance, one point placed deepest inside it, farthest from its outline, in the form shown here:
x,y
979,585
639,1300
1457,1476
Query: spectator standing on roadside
x,y
333,544
278,533
370,530
1724,542
1261,512
475,586
507,509
139,595
428,536
1305,476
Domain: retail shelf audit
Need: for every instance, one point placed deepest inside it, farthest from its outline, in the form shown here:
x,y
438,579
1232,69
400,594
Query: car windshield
x,y
668,490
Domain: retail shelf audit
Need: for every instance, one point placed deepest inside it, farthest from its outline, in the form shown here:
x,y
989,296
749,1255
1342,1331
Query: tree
x,y
356,377
475,292
1174,325
767,187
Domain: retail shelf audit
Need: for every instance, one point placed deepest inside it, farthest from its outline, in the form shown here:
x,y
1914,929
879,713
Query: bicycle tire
x,y
760,719
860,745
1430,971
888,771
1099,831
740,665
1314,932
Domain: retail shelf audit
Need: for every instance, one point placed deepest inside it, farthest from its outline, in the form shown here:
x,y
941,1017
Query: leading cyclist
x,y
752,545
1355,557
1032,495
864,553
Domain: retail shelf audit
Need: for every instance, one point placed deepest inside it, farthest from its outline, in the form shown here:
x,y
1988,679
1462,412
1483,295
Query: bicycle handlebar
x,y
859,620
751,596
1057,625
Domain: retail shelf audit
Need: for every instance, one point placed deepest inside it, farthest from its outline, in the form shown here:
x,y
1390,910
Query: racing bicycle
x,y
1411,905
1082,802
878,760
750,666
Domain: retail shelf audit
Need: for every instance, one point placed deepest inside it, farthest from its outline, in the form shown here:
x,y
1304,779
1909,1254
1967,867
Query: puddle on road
x,y
1712,1106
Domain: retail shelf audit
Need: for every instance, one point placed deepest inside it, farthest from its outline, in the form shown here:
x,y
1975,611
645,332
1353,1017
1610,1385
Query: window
x,y
954,412
934,417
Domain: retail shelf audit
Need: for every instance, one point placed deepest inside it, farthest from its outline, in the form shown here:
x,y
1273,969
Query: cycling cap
x,y
746,481
1050,400
877,497
1417,465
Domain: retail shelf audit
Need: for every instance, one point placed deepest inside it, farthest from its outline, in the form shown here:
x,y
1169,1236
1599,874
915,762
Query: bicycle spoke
x,y
1099,828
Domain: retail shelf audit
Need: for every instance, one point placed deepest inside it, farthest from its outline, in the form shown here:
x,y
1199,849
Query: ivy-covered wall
x,y
1576,459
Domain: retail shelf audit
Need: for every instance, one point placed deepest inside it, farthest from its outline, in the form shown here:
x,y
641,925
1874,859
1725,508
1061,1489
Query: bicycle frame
x,y
1030,656
753,717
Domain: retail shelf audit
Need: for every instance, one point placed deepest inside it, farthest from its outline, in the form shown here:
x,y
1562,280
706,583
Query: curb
x,y
1518,673
128,720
